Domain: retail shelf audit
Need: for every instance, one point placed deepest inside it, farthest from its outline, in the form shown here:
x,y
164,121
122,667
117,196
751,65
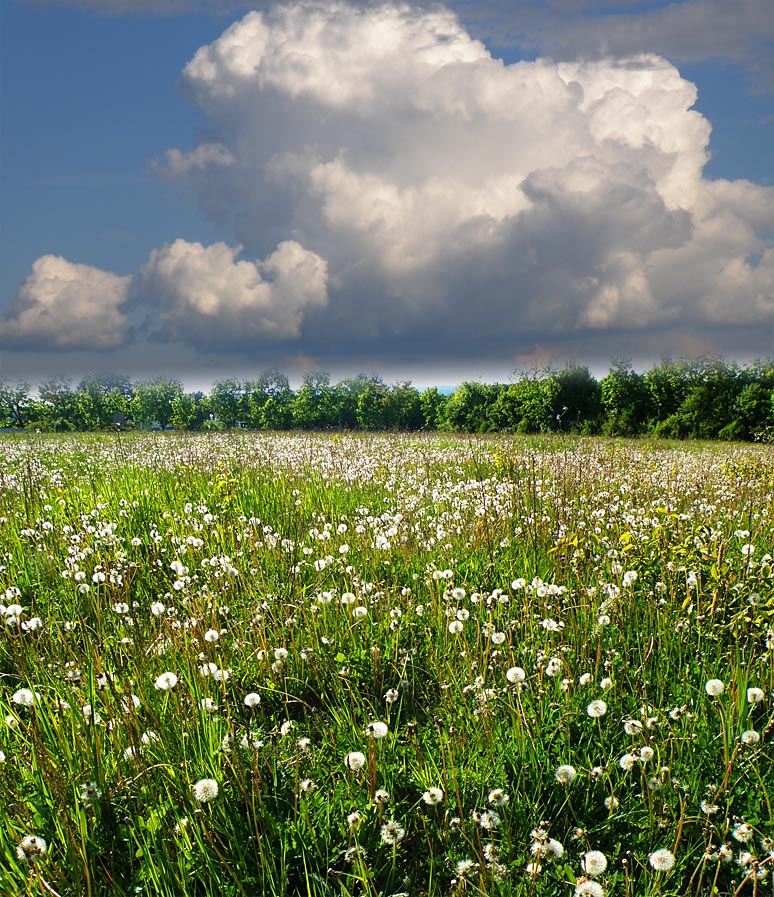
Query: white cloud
x,y
196,161
62,305
208,298
453,195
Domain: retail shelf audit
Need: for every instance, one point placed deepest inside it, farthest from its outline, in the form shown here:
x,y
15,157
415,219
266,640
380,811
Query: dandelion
x,y
89,793
433,796
587,888
742,832
594,863
31,848
596,709
498,797
354,760
391,695
381,797
628,762
606,683
392,833
205,790
166,682
465,868
750,737
632,726
515,675
647,754
755,695
707,808
714,688
612,803
253,699
662,860
455,626
24,697
565,774
488,820
211,636
553,667
377,729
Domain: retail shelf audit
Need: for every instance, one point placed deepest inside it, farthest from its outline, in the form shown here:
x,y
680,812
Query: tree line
x,y
700,398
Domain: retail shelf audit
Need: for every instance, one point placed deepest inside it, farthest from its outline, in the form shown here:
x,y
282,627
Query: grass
x,y
535,622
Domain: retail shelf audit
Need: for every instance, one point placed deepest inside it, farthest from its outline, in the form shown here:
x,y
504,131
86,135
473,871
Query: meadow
x,y
253,664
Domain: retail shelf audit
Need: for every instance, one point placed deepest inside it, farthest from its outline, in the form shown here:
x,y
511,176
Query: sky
x,y
415,190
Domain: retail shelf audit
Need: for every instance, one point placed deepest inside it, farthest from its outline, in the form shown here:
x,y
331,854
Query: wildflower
x,y
488,820
587,888
553,667
465,868
662,860
750,737
205,790
208,705
166,681
381,797
287,727
708,808
612,803
433,796
89,793
565,775
742,832
515,675
392,833
714,688
605,683
755,695
391,695
594,863
498,797
303,743
24,697
632,726
455,626
647,754
596,709
354,760
211,636
31,848
628,762
377,729
252,700
353,819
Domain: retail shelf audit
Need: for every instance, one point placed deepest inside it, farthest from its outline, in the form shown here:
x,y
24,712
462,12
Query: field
x,y
245,664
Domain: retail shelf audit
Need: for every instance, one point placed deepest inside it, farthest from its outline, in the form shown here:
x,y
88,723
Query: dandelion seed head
x,y
31,848
565,774
354,760
594,863
661,860
205,790
714,688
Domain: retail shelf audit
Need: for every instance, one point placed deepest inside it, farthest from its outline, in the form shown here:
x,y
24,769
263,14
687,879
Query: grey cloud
x,y
65,306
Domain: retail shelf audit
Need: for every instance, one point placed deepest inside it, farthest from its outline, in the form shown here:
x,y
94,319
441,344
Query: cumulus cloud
x,y
208,298
455,197
66,306
179,164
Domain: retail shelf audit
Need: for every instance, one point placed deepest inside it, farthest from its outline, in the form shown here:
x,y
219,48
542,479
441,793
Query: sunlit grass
x,y
240,664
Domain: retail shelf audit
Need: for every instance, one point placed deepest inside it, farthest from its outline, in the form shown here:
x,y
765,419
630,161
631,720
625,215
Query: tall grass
x,y
569,644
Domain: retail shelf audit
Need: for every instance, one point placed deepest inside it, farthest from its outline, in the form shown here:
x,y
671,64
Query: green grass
x,y
352,579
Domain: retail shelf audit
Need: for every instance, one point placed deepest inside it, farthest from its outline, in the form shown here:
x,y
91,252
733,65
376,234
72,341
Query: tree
x,y
154,400
626,400
313,406
15,404
227,402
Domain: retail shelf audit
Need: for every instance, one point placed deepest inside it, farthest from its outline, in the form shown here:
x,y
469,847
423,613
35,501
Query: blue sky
x,y
253,209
